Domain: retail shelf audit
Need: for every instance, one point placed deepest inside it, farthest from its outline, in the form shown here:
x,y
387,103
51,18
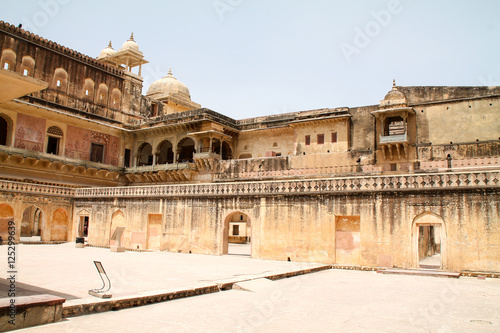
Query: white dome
x,y
130,45
106,52
168,86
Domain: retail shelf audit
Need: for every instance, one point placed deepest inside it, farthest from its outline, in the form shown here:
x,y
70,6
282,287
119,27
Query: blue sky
x,y
247,58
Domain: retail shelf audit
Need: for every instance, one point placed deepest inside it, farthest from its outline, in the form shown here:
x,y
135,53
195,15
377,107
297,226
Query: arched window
x,y
102,95
88,89
145,155
8,59
54,138
28,66
165,152
116,97
186,150
60,80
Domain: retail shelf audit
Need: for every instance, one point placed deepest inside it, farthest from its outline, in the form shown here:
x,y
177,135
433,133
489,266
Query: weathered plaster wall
x,y
30,132
465,121
365,229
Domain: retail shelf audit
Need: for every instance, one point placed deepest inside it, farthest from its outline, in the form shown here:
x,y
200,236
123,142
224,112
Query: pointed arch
x,y
145,154
6,130
186,150
237,228
33,220
59,225
117,220
6,215
165,152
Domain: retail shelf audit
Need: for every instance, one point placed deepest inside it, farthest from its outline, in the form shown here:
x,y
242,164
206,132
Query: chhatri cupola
x,y
173,93
392,125
128,56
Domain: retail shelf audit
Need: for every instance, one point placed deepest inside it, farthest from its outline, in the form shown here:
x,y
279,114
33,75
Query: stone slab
x,y
420,272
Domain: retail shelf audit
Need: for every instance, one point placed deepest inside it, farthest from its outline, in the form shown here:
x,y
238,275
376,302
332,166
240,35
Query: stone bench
x,y
30,311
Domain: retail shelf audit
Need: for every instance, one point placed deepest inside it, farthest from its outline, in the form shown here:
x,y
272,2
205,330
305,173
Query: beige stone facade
x,y
412,181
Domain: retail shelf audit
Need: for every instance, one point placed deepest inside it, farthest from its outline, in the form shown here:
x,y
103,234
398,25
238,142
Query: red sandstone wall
x,y
79,140
78,143
30,132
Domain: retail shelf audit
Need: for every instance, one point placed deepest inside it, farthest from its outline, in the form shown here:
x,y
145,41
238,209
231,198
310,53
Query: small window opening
x,y
321,139
308,140
241,217
26,72
58,83
86,92
236,230
278,154
394,167
334,137
53,145
96,153
6,65
275,144
101,97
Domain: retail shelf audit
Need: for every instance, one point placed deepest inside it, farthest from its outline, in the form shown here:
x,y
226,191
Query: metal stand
x,y
103,291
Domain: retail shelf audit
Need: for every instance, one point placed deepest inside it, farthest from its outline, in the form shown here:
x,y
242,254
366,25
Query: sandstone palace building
x,y
84,152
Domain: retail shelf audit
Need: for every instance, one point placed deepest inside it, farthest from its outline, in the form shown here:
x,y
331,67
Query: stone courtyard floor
x,y
325,301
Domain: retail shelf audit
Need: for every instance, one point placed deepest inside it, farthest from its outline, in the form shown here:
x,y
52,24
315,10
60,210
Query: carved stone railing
x,y
39,189
290,173
406,182
160,167
402,138
206,154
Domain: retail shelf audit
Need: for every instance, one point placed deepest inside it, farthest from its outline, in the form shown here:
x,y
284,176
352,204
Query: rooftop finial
x,y
109,45
170,71
132,37
393,82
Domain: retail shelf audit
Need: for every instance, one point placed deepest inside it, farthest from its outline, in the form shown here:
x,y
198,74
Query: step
x,y
420,272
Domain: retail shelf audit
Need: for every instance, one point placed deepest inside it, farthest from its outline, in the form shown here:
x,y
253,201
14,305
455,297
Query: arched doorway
x,y
83,223
237,235
429,241
6,215
145,155
227,153
59,225
6,125
165,152
186,150
32,222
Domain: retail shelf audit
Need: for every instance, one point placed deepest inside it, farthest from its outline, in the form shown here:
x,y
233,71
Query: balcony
x,y
13,158
160,167
206,154
393,139
161,173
